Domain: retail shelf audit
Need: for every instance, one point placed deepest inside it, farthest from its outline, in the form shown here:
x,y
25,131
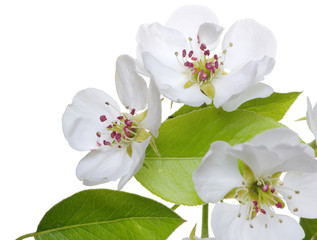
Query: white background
x,y
49,50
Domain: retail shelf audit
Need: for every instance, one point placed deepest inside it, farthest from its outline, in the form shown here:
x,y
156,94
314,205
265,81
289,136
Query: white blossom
x,y
263,175
116,140
180,58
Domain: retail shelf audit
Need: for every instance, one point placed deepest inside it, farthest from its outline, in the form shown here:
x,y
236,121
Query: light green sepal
x,y
189,84
193,232
247,172
153,145
231,194
301,119
142,135
129,150
140,117
208,89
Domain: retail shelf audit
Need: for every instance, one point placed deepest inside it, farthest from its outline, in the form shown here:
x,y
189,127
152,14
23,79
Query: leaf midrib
x,y
97,223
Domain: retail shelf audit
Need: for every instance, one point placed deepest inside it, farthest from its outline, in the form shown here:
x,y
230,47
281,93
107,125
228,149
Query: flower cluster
x,y
262,176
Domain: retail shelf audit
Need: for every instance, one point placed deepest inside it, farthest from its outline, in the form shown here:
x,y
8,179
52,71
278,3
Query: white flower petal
x,y
265,66
234,83
240,80
140,68
191,96
187,19
153,118
227,225
260,159
94,183
311,117
274,137
251,41
209,34
217,174
131,87
160,41
305,201
285,143
106,164
137,159
164,76
296,158
81,120
171,83
259,90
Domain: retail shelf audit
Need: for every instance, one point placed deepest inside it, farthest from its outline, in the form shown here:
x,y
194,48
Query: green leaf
x,y
184,140
310,228
107,214
187,109
274,106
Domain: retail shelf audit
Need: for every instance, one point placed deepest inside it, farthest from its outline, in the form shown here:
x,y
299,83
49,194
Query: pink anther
x,y
278,205
265,188
103,118
184,53
113,134
118,137
203,47
128,122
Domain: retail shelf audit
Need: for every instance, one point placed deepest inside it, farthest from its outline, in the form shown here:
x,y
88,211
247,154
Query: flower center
x,y
261,195
202,67
122,131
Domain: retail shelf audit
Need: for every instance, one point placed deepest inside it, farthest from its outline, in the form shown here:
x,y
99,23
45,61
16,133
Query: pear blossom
x,y
311,117
263,175
180,57
116,139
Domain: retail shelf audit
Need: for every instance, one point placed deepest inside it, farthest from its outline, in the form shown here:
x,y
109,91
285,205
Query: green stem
x,y
26,236
204,226
174,207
